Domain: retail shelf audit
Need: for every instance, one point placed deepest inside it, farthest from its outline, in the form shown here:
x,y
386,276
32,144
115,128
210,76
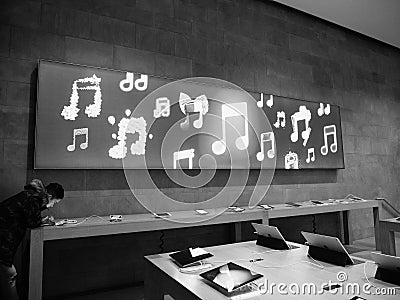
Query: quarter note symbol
x,y
270,101
184,154
266,137
126,85
280,119
260,103
233,110
329,130
79,131
302,115
311,151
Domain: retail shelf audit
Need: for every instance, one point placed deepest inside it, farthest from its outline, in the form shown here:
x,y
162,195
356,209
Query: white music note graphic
x,y
184,154
310,155
291,160
280,119
198,105
270,101
126,85
77,132
329,130
162,108
321,110
302,115
228,111
125,126
93,110
260,103
266,137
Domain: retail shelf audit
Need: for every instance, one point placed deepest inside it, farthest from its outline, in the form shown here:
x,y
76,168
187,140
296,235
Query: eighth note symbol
x,y
302,115
280,119
329,130
232,110
79,131
128,125
183,154
70,112
312,158
266,137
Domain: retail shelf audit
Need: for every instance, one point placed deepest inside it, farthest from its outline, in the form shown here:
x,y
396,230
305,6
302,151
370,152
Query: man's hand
x,y
48,220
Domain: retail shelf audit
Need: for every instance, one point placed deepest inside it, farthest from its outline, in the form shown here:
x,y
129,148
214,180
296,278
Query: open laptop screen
x,y
385,261
326,242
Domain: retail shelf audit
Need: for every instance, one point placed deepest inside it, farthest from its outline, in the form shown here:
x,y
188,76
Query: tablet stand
x,y
390,276
271,242
329,256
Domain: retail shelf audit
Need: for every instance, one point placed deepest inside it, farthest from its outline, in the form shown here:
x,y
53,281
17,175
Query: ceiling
x,y
378,19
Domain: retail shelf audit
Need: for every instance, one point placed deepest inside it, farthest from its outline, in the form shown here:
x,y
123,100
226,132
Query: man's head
x,y
56,193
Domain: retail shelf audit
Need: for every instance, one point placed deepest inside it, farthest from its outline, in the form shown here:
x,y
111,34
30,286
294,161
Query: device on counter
x,y
328,249
317,202
292,204
388,267
162,214
265,206
189,256
65,221
270,236
115,218
235,209
229,278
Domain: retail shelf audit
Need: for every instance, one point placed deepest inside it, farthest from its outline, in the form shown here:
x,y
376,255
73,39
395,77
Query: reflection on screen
x,y
230,276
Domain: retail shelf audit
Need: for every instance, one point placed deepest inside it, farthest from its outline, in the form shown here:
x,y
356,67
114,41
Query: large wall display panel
x,y
93,118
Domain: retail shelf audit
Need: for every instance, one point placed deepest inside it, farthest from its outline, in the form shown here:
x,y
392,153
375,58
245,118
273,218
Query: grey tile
x,y
88,52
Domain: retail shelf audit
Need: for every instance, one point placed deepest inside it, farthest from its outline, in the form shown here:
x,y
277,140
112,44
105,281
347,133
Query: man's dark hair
x,y
56,190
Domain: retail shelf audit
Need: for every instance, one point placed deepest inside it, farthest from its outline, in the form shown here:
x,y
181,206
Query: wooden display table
x,y
285,267
180,219
130,224
388,243
342,206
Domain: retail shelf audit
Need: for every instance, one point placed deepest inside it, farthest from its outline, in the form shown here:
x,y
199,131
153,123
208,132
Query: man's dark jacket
x,y
17,213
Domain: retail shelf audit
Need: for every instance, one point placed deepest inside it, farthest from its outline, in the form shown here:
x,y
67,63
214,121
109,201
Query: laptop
x,y
387,262
388,267
327,242
230,278
271,232
189,256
